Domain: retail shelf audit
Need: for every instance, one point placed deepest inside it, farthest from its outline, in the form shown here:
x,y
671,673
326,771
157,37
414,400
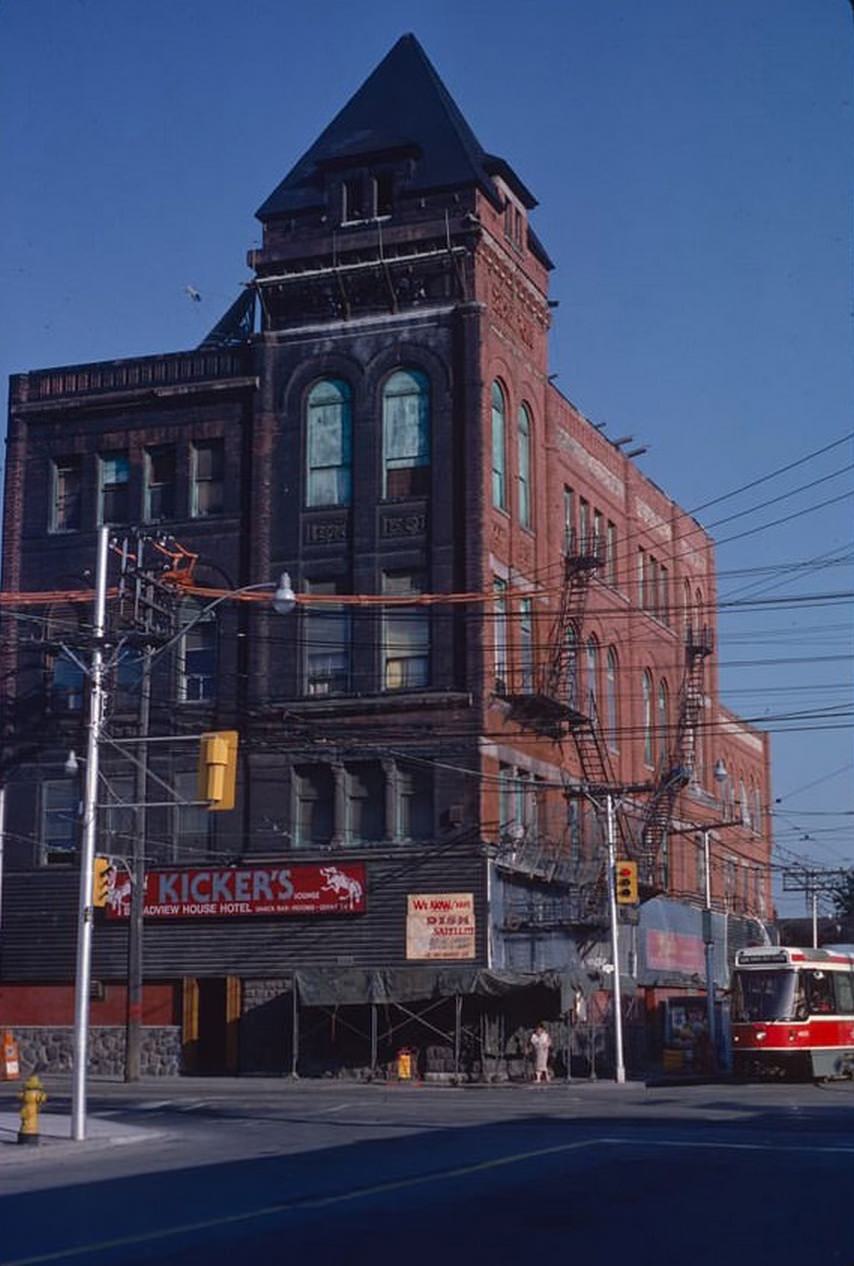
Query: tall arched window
x,y
661,724
743,804
611,698
592,674
406,434
328,444
648,748
699,614
524,476
757,810
499,481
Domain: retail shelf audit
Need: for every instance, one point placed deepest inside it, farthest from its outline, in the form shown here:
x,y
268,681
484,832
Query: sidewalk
x,y
55,1135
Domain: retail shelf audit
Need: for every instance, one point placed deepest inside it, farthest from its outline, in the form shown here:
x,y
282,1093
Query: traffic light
x,y
627,883
218,769
102,869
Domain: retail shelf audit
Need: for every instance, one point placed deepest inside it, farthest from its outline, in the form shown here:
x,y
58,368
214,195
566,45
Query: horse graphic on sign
x,y
343,885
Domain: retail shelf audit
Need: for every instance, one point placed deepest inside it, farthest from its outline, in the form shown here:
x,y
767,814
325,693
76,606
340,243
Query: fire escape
x,y
546,703
679,764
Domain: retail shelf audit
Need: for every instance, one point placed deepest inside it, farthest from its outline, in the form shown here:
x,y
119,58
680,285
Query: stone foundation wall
x,y
48,1049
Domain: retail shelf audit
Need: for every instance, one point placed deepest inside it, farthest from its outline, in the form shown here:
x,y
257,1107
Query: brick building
x,y
390,431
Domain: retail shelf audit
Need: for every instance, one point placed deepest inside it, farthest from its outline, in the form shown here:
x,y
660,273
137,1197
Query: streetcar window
x,y
762,995
818,992
844,992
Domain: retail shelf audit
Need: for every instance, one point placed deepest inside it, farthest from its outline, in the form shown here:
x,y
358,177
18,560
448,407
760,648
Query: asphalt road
x,y
239,1172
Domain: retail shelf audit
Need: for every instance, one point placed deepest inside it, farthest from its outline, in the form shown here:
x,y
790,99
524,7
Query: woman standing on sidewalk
x,y
541,1044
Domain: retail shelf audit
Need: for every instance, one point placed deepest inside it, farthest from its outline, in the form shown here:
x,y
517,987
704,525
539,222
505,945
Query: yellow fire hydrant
x,y
32,1097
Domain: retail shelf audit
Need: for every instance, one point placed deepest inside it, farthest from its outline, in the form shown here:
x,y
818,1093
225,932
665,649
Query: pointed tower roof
x,y
402,107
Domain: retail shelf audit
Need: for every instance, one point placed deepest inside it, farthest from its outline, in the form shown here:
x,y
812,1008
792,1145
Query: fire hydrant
x,y
32,1097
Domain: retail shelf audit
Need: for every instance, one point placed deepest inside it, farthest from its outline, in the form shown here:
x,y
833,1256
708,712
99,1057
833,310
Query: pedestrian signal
x,y
218,769
627,883
102,873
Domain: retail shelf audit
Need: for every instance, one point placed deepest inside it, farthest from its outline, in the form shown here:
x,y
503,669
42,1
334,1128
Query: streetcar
x,y
792,1013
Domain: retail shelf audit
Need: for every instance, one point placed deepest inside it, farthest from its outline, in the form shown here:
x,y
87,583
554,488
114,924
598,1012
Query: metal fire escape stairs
x,y
546,705
679,765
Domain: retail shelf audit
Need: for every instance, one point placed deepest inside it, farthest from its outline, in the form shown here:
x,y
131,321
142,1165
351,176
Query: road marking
x,y
731,1147
315,1202
338,1107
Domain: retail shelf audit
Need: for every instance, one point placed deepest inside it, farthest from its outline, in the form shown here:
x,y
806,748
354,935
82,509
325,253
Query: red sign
x,y
242,890
674,951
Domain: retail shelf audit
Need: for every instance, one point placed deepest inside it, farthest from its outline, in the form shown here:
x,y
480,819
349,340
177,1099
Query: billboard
x,y
440,925
227,892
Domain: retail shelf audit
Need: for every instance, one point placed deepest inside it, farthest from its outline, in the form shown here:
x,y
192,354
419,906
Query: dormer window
x,y
382,186
513,224
353,194
366,197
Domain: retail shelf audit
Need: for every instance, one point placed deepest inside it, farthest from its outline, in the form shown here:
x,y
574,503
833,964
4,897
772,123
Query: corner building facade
x,y
389,431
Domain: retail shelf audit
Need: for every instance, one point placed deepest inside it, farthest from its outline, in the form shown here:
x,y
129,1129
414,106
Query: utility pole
x,y
812,883
619,1066
708,937
87,849
133,1020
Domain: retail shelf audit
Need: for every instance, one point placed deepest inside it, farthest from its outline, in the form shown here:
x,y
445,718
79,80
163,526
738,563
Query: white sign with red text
x,y
440,925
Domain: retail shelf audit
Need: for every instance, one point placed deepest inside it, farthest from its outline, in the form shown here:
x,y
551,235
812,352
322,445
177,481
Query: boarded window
x,y
415,803
365,803
315,800
329,444
406,434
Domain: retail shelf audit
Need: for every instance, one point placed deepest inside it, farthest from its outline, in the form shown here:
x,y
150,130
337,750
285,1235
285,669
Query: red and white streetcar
x,y
792,1012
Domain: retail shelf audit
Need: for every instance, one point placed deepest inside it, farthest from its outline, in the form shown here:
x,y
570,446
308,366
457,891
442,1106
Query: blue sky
x,y
693,165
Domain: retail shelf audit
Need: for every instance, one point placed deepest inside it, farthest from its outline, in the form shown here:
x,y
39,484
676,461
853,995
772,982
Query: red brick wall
x,y
54,1005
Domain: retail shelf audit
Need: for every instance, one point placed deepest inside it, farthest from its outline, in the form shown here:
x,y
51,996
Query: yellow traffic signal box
x,y
218,769
627,883
101,871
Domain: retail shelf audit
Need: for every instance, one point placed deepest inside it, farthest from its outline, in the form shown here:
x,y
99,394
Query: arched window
x,y
743,804
571,667
757,810
687,617
406,434
661,723
699,615
524,476
592,673
328,444
499,482
611,698
648,748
